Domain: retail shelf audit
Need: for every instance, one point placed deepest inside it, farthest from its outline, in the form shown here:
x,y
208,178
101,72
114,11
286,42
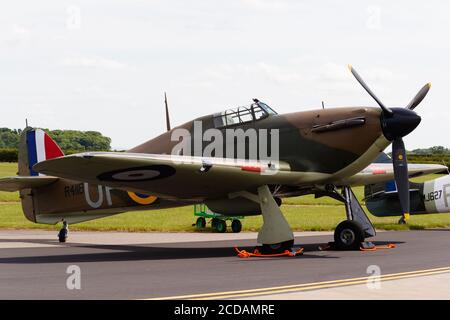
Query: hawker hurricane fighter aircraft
x,y
323,152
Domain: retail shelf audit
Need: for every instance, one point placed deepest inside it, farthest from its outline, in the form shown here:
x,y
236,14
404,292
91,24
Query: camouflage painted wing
x,y
173,177
380,172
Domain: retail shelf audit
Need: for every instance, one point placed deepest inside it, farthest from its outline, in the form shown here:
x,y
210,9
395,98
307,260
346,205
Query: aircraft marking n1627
x,y
437,194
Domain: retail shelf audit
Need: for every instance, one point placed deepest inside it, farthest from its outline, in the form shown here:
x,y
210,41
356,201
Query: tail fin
x,y
35,145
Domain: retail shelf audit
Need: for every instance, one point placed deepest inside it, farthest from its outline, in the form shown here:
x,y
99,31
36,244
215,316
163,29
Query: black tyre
x,y
236,226
200,223
62,235
348,235
214,222
221,226
277,247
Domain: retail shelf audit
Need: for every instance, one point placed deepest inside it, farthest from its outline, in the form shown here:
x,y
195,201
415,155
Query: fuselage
x,y
325,140
335,143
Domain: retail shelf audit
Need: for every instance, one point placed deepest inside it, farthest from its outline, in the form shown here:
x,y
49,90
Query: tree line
x,y
73,141
70,141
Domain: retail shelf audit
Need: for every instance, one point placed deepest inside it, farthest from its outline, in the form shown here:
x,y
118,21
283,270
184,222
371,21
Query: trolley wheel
x,y
201,223
214,222
221,226
236,226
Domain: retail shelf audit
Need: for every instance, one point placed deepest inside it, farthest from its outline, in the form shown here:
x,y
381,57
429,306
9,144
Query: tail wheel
x,y
62,235
221,226
236,226
348,235
201,223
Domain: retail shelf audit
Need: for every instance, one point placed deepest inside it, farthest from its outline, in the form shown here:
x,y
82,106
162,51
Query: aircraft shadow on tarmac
x,y
143,252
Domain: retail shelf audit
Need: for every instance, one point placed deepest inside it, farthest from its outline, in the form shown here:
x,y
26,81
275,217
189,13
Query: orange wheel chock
x,y
375,248
256,253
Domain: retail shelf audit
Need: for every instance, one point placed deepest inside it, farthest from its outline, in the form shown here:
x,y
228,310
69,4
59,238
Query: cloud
x,y
258,70
337,72
92,62
332,72
265,4
18,36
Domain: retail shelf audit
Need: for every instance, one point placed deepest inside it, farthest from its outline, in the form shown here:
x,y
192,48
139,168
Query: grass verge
x,y
303,213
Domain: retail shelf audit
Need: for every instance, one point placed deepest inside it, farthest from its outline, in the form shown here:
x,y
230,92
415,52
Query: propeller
x,y
419,97
397,123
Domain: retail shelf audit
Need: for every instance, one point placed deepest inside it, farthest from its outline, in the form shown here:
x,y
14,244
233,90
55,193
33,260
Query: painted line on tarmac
x,y
306,286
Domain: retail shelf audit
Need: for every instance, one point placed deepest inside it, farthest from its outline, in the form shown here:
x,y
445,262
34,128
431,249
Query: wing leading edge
x,y
380,172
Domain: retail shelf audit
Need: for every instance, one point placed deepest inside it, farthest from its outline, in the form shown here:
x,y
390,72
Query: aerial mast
x,y
167,112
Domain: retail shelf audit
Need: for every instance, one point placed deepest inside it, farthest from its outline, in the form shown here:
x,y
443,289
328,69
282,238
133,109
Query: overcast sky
x,y
105,66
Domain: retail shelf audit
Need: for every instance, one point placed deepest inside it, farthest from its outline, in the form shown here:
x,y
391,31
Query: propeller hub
x,y
400,123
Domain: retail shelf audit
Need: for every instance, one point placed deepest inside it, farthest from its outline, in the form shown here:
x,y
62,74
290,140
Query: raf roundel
x,y
135,175
138,174
142,198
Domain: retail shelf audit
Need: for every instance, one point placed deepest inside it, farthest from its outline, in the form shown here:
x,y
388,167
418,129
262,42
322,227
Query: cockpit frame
x,y
243,114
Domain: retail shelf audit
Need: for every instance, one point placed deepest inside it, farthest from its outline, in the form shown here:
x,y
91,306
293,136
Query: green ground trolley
x,y
218,221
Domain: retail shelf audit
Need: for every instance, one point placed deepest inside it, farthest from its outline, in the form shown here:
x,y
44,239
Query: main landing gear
x,y
64,232
351,233
276,235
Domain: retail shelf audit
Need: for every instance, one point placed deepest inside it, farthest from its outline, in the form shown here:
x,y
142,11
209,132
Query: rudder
x,y
35,145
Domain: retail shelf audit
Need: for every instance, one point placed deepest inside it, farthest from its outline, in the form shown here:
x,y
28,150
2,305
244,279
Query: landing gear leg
x,y
64,232
351,234
275,235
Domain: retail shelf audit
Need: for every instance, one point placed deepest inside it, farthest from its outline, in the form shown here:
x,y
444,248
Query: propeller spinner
x,y
397,123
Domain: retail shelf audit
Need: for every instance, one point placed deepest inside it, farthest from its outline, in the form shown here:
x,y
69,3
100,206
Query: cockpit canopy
x,y
256,111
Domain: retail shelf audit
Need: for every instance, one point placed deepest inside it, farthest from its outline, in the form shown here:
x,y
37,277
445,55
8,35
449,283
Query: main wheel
x,y
221,226
277,247
236,226
348,235
201,223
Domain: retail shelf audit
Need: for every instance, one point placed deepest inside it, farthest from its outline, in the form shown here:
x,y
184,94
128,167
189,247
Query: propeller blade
x,y
419,97
400,164
386,110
